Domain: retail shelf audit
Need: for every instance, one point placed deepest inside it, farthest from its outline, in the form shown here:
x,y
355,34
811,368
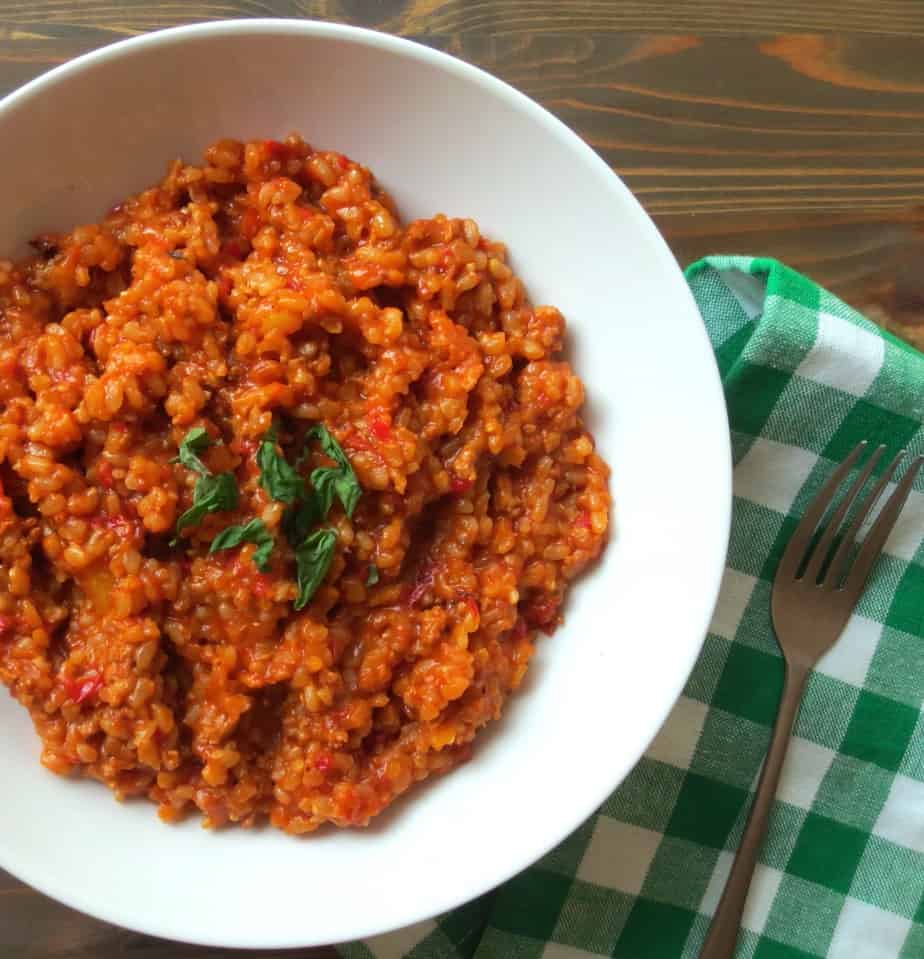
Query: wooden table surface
x,y
791,129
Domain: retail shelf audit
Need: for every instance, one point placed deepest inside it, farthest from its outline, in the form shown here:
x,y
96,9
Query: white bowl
x,y
443,137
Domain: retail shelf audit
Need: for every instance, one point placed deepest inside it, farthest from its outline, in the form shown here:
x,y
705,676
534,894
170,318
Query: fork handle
x,y
723,931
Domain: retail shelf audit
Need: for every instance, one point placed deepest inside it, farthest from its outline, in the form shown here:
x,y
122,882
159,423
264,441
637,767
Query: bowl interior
x,y
442,137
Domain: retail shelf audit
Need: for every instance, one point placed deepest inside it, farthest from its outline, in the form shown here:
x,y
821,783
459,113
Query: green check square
x,y
463,926
853,792
763,387
437,943
754,533
730,749
907,611
592,918
880,730
791,287
771,949
772,556
706,811
729,318
500,944
876,600
913,947
529,904
826,711
913,761
897,668
654,930
751,684
755,630
827,852
804,915
740,444
647,795
865,421
919,914
705,676
783,830
566,857
728,354
899,376
678,857
787,423
890,877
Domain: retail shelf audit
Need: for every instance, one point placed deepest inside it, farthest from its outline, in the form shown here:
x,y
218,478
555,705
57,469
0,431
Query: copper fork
x,y
816,587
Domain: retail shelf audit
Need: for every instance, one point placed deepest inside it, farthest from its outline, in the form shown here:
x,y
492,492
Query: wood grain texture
x,y
789,129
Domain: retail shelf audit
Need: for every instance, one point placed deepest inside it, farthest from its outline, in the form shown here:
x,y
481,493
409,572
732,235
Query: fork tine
x,y
834,524
837,569
800,539
879,532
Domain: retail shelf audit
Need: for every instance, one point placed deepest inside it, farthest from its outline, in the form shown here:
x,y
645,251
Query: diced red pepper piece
x,y
104,474
245,448
380,427
342,161
7,625
80,690
458,485
582,521
275,150
324,762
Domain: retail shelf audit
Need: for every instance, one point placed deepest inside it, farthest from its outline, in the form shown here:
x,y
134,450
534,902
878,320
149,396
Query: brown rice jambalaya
x,y
288,489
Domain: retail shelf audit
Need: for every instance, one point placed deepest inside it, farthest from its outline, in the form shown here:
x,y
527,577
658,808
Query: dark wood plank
x,y
789,129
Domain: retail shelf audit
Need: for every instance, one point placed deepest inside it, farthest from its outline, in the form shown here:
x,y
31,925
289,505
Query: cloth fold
x,y
841,874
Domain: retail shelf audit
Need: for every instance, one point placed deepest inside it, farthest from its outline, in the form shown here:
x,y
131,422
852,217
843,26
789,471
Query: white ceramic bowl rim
x,y
677,670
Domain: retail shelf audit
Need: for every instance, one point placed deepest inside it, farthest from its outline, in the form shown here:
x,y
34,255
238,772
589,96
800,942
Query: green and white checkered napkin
x,y
842,871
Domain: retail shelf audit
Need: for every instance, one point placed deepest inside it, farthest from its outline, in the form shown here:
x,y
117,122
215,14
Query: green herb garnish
x,y
211,494
300,518
339,480
312,561
254,531
372,576
307,504
277,477
195,441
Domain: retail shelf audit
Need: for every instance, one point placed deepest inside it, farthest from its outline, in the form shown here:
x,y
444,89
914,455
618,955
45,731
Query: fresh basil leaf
x,y
195,441
323,481
211,494
312,561
254,531
299,518
372,576
329,445
340,480
277,477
